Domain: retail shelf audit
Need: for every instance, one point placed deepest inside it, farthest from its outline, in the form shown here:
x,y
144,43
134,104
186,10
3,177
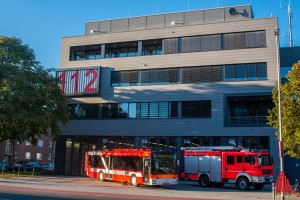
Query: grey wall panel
x,y
137,23
177,18
155,21
119,25
91,26
214,15
105,26
194,17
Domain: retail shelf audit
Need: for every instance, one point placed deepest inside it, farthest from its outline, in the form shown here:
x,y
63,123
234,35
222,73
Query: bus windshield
x,y
264,160
163,163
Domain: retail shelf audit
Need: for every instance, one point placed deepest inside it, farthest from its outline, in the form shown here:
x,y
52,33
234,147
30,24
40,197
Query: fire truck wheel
x,y
133,180
243,183
204,181
258,186
101,176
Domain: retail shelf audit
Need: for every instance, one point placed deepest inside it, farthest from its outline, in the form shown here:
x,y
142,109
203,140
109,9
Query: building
x,y
43,151
165,81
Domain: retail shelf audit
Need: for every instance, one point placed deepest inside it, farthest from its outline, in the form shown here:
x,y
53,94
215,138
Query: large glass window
x,y
240,72
89,52
196,108
83,111
159,110
123,49
152,47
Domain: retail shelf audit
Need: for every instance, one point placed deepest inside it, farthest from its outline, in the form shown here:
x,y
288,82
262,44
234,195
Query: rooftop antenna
x,y
290,16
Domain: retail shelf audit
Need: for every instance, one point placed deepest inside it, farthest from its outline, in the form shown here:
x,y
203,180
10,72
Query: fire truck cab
x,y
219,165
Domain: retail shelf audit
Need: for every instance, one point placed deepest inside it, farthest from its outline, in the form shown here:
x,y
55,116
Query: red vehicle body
x,y
134,166
220,165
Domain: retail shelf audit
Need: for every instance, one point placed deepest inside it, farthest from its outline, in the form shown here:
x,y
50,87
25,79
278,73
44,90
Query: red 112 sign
x,y
79,82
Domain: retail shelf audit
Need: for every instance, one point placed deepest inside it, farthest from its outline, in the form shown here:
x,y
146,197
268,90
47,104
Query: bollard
x,y
273,191
32,170
19,170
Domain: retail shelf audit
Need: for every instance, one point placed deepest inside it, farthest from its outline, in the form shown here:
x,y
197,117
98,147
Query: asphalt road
x,y
81,188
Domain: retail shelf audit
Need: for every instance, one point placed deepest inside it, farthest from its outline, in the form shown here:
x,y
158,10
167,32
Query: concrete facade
x,y
192,23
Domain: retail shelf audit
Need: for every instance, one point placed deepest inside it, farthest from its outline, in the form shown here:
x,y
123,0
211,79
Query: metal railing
x,y
247,120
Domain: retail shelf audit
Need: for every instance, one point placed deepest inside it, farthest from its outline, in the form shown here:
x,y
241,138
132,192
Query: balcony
x,y
246,121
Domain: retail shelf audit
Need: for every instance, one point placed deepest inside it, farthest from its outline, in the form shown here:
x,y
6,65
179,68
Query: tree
x,y
290,112
31,103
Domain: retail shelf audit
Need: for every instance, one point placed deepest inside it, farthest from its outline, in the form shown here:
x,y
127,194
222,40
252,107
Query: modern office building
x,y
195,78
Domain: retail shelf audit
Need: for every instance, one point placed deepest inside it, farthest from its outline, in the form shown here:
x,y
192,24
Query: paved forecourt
x,y
87,186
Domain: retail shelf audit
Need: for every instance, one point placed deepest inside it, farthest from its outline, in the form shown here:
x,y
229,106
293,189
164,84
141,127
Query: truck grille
x,y
266,171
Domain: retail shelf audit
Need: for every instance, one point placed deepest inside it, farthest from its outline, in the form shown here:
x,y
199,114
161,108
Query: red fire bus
x,y
134,166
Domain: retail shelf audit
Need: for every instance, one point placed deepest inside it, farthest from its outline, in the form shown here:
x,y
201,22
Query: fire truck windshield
x,y
264,160
164,163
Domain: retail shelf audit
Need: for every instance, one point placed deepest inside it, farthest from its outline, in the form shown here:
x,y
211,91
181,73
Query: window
x,y
49,143
83,111
230,160
159,110
39,156
127,110
16,154
27,155
40,143
250,159
255,39
239,159
49,156
123,49
159,76
201,74
152,47
89,52
242,72
27,143
196,108
124,78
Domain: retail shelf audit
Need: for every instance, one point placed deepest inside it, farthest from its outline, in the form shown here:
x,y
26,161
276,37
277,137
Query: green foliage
x,y
290,112
31,102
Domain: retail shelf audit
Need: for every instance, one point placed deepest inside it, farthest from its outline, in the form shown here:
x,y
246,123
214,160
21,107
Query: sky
x,y
42,24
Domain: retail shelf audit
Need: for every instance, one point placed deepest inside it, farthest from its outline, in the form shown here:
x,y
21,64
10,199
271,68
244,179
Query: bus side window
x,y
91,161
249,159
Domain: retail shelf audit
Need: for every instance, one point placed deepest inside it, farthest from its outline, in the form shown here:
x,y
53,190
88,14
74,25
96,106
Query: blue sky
x,y
43,23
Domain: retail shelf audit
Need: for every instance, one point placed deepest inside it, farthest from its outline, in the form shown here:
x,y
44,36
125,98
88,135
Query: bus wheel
x,y
243,183
101,176
133,180
258,186
204,181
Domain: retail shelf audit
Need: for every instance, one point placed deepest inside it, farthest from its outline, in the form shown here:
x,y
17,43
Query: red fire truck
x,y
134,166
219,165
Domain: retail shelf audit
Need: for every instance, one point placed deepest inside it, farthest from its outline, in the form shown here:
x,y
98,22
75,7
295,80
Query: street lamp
x,y
282,183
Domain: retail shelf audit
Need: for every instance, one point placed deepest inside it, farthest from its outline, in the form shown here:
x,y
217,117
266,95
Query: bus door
x,y
146,170
109,164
